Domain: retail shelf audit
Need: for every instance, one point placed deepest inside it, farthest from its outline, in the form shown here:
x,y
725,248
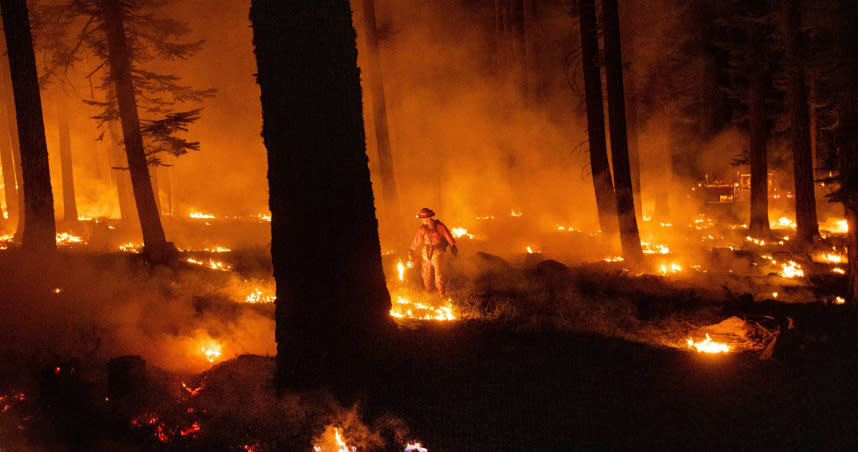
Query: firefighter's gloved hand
x,y
454,250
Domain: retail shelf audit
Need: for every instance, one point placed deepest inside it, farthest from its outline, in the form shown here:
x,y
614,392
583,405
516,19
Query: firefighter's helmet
x,y
426,213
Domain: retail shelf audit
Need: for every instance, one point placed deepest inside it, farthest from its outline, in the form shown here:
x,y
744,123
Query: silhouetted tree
x,y
39,233
629,236
758,132
379,110
799,124
332,301
69,203
599,166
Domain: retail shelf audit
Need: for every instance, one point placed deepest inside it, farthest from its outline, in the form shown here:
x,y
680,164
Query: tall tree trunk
x,y
518,44
39,225
799,118
379,110
759,224
155,245
629,236
69,204
119,173
15,148
332,300
600,168
10,185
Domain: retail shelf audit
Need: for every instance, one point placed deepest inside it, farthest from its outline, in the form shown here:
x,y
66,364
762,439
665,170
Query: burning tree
x,y
39,233
125,35
332,301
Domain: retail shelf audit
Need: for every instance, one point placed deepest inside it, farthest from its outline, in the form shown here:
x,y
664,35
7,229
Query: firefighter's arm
x,y
414,245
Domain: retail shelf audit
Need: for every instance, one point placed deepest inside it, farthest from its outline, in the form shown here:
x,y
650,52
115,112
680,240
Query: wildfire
x,y
212,264
64,238
405,308
515,213
832,258
672,268
708,346
837,226
200,215
613,259
838,270
218,249
791,270
840,300
529,250
415,447
565,228
258,296
212,351
654,248
336,440
400,269
130,247
758,242
264,217
785,222
461,232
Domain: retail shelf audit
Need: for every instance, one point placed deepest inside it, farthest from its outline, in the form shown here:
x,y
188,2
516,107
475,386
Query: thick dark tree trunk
x,y
155,245
799,118
606,203
629,236
332,301
379,110
39,225
759,224
69,203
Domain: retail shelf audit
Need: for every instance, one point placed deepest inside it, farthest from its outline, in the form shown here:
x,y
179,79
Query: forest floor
x,y
541,356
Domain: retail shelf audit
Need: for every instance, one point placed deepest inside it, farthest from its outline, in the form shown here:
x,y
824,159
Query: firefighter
x,y
432,239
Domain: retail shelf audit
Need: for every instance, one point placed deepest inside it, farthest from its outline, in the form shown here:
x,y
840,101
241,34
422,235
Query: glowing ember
x,y
264,217
840,300
666,225
415,447
406,309
566,228
200,215
58,290
758,242
130,247
791,270
529,250
400,269
672,268
708,346
613,259
838,270
486,218
461,232
258,296
212,352
218,249
515,213
774,294
64,238
212,264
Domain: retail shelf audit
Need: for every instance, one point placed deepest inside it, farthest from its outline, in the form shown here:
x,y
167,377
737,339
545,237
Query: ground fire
x,y
264,225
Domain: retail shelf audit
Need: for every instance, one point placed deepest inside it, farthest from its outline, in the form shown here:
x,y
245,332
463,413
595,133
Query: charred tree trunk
x,y
69,203
332,300
759,224
379,110
629,236
799,118
600,168
39,225
155,245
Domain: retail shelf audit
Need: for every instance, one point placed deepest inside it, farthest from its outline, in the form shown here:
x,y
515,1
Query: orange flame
x,y
708,346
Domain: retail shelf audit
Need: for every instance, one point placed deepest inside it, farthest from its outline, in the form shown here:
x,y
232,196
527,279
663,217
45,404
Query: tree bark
x,y
379,109
39,235
799,118
332,304
629,236
599,165
69,204
759,223
155,245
